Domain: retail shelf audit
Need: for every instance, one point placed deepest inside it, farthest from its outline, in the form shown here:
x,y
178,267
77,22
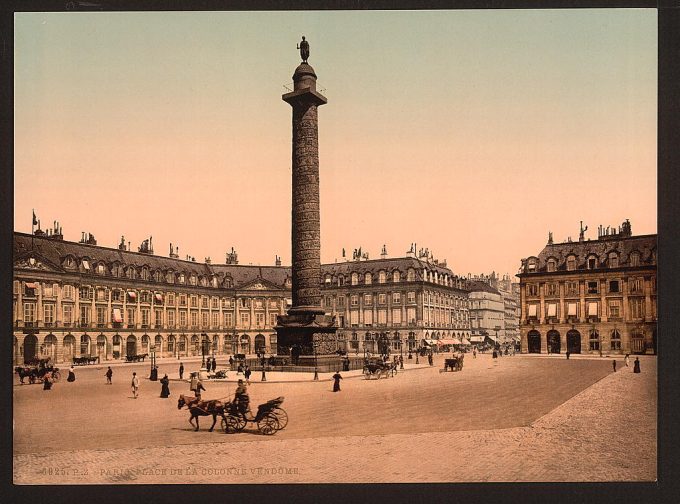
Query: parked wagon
x,y
454,363
136,357
377,368
85,360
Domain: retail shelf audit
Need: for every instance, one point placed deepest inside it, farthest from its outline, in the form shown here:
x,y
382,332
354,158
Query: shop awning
x,y
476,339
132,295
429,342
117,317
465,341
449,341
31,285
159,297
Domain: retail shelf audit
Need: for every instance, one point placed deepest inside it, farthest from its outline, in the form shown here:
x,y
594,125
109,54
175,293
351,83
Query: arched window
x,y
341,280
411,275
368,279
613,260
131,272
552,265
571,263
592,262
396,276
382,277
635,259
594,340
145,273
355,278
615,340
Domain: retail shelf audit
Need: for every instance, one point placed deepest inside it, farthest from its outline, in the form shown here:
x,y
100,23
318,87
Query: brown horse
x,y
201,408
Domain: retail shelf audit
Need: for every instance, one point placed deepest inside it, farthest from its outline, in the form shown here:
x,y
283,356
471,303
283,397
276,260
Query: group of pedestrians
x,y
626,362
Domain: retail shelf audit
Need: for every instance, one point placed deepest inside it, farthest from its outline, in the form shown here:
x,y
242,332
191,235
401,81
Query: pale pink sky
x,y
472,133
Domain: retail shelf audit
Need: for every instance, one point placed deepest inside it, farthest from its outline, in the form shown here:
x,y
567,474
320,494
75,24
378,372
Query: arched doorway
x,y
30,344
49,348
146,344
637,341
85,345
101,347
195,350
574,342
260,344
411,341
69,347
554,344
117,343
131,345
226,344
158,343
182,345
245,344
216,344
534,342
172,344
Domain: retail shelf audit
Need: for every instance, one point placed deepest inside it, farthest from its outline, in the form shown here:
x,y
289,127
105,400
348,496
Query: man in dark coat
x,y
181,371
165,388
214,365
109,374
336,381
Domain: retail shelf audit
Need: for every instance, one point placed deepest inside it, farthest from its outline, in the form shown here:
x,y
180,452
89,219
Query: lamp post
x,y
203,342
315,344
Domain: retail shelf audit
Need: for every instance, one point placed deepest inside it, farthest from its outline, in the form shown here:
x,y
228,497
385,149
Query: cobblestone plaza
x,y
521,418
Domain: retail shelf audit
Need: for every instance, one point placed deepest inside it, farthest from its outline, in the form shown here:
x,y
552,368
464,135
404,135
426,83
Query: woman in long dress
x,y
336,382
165,388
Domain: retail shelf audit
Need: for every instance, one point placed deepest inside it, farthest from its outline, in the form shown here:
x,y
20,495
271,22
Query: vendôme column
x,y
306,330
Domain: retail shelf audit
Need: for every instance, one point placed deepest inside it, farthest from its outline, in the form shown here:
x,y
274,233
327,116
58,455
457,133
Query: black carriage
x,y
270,417
454,363
377,368
136,357
37,371
86,360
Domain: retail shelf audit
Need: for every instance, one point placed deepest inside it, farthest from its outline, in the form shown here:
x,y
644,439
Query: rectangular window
x,y
204,319
116,295
613,286
170,299
215,320
354,317
84,316
85,293
614,308
533,310
259,319
158,318
368,299
182,299
245,319
67,312
593,287
48,291
145,317
396,297
328,302
214,303
204,302
182,318
101,316
592,309
368,317
382,299
194,301
194,319
411,297
635,285
67,291
171,318
396,316
571,288
131,317
637,308
552,310
228,319
101,295
571,310
532,289
29,313
272,319
341,301
551,289
354,300
48,312
382,317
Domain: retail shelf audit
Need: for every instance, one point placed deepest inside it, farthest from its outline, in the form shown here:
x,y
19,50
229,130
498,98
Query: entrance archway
x,y
85,345
30,344
101,347
158,342
131,345
554,344
69,347
534,342
146,344
574,342
49,349
117,343
259,344
195,350
245,344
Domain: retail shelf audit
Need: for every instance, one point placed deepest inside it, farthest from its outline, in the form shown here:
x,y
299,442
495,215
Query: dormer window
x,y
613,260
145,274
86,265
328,280
396,276
592,262
182,278
69,262
571,263
411,275
101,269
192,279
228,282
532,265
289,282
355,278
635,259
341,280
170,277
552,265
368,279
131,273
382,277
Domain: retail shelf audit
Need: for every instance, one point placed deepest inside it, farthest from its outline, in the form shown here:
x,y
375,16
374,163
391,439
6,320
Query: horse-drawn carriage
x,y
36,370
136,357
270,417
377,368
85,360
454,363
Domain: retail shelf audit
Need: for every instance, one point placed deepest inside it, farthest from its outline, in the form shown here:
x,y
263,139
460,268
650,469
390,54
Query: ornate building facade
x,y
79,299
591,296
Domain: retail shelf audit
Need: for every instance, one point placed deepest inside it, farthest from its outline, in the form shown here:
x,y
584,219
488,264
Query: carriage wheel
x,y
231,424
268,425
367,373
281,416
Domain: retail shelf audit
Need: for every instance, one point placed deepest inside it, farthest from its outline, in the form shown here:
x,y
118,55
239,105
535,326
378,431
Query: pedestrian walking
x,y
109,374
135,385
165,386
636,365
614,365
336,381
246,373
626,360
213,366
474,353
71,375
430,360
207,364
568,354
231,363
193,382
495,354
181,371
239,369
199,387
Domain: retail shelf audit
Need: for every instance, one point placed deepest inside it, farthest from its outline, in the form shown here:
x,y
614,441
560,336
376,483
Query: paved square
x,y
523,418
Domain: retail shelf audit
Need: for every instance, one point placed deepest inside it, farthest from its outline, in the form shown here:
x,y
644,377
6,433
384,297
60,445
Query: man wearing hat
x,y
241,397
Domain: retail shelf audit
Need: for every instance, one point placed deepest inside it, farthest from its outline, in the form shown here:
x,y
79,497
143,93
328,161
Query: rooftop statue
x,y
304,49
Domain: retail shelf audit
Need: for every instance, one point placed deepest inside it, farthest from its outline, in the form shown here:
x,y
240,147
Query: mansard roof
x,y
479,286
374,266
644,245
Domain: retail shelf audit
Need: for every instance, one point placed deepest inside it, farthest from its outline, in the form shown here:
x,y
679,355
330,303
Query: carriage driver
x,y
241,398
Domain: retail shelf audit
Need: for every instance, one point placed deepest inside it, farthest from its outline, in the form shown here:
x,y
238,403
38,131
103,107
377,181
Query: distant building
x,y
494,311
80,299
591,296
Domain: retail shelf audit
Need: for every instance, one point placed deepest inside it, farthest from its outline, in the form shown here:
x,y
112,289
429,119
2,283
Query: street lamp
x,y
315,343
